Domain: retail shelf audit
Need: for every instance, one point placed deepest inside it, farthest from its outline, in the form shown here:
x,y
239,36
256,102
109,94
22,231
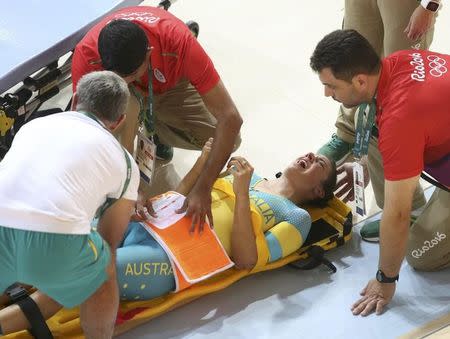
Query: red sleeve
x,y
402,146
199,68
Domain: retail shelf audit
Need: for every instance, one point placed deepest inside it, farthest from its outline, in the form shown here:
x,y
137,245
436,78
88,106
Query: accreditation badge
x,y
358,187
145,157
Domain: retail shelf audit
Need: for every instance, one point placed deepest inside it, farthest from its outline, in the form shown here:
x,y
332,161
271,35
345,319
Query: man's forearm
x,y
394,230
227,131
114,222
189,180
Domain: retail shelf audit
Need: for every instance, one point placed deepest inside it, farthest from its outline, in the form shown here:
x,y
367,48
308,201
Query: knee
x,y
422,265
418,263
427,251
421,261
417,256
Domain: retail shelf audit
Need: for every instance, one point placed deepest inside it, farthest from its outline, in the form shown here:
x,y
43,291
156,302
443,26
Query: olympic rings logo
x,y
437,68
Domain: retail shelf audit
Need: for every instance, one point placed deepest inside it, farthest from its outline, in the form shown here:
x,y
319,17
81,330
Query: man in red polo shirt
x,y
408,92
188,102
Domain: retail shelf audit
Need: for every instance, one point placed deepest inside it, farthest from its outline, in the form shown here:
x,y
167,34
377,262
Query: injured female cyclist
x,y
144,270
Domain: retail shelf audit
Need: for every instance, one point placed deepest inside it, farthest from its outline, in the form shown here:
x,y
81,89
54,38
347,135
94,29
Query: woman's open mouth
x,y
303,163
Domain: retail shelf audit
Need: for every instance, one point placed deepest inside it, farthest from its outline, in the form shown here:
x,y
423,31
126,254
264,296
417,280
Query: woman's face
x,y
309,171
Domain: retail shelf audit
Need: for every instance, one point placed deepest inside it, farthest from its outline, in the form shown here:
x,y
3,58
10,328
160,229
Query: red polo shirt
x,y
176,52
413,111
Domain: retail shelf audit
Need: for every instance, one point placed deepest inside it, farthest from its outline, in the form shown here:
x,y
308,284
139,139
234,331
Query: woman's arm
x,y
243,244
288,236
191,177
189,180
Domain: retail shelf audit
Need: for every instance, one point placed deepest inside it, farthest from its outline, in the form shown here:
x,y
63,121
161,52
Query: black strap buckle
x,y
30,309
316,258
16,292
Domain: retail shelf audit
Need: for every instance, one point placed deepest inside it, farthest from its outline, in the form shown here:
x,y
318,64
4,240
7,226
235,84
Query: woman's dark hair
x,y
347,53
328,185
122,46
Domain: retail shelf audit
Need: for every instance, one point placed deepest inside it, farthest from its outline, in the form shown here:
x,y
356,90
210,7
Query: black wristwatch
x,y
381,277
430,5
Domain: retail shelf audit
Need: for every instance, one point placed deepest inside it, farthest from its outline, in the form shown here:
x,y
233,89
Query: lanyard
x,y
146,114
363,132
110,201
145,154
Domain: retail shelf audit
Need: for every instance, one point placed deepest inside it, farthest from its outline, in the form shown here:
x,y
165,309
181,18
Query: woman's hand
x,y
244,252
242,172
206,149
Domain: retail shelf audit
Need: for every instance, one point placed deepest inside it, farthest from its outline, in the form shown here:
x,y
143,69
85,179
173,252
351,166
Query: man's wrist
x,y
202,186
385,279
431,6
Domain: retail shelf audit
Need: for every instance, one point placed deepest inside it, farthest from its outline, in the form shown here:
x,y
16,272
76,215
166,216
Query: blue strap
x,y
146,115
363,132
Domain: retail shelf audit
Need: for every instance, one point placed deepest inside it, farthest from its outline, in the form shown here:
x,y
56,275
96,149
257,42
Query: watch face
x,y
433,6
379,276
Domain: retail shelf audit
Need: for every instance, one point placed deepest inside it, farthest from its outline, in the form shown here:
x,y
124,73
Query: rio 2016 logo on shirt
x,y
437,67
147,17
436,64
419,69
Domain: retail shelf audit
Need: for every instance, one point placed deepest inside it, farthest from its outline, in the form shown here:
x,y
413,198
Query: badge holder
x,y
146,147
358,187
360,150
145,156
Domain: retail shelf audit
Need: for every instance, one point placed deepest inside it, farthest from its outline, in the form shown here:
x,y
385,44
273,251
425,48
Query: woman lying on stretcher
x,y
143,268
